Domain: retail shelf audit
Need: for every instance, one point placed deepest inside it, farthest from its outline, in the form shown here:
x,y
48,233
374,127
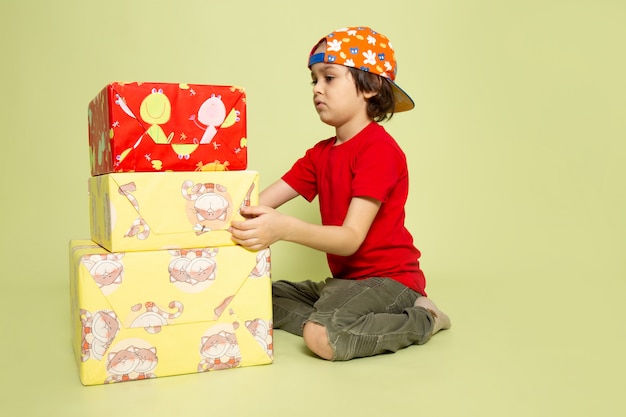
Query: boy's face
x,y
335,95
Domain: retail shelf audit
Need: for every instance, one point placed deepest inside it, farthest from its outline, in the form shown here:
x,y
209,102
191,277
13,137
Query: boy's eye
x,y
327,79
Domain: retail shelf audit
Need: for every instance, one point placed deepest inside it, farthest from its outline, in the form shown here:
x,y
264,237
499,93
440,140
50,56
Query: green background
x,y
516,151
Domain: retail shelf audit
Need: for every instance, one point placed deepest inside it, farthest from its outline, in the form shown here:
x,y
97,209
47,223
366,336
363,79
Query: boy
x,y
376,301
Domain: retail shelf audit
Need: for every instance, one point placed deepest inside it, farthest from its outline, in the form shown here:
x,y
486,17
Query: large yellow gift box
x,y
148,314
141,211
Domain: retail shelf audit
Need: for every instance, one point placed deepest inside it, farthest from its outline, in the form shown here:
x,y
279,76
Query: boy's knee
x,y
316,339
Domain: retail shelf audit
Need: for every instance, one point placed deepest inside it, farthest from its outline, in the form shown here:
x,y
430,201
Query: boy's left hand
x,y
263,226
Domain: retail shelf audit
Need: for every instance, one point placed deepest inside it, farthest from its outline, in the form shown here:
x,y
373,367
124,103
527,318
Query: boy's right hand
x,y
263,226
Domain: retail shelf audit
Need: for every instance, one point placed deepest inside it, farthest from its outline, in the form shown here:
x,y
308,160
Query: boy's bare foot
x,y
442,321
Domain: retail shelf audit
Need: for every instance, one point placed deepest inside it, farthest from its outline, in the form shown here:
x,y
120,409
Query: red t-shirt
x,y
371,164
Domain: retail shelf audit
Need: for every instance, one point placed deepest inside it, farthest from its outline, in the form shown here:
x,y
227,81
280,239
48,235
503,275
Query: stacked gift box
x,y
161,289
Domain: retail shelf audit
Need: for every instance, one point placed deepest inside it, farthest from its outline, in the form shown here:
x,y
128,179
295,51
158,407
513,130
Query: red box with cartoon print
x,y
148,127
139,315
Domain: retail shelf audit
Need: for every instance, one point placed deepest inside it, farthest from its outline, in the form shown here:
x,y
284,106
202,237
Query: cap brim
x,y
403,101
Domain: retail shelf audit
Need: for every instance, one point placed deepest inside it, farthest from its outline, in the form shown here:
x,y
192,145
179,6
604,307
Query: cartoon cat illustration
x,y
219,310
121,364
209,204
98,332
148,361
263,333
139,228
219,351
201,269
131,364
105,269
193,266
154,317
178,269
263,264
248,198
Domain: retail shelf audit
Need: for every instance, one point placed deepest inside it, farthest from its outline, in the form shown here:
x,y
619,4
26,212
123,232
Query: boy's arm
x,y
267,226
277,194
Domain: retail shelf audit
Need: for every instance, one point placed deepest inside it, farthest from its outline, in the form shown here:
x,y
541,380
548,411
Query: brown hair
x,y
381,106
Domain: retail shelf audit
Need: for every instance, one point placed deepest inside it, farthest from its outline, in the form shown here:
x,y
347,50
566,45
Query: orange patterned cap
x,y
365,49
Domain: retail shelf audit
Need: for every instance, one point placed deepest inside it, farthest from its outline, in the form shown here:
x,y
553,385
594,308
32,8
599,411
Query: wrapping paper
x,y
152,127
151,211
139,315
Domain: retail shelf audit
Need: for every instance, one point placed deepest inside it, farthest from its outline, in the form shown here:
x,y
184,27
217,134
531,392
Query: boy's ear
x,y
369,94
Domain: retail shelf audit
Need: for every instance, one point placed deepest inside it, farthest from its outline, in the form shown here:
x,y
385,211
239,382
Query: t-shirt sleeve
x,y
301,177
377,170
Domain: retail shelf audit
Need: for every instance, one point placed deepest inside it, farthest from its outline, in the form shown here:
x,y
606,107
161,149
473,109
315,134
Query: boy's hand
x,y
263,226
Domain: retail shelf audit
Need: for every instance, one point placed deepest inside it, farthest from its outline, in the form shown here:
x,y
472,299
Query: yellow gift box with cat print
x,y
140,211
139,315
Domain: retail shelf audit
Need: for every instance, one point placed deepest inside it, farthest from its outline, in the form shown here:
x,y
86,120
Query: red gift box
x,y
148,127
